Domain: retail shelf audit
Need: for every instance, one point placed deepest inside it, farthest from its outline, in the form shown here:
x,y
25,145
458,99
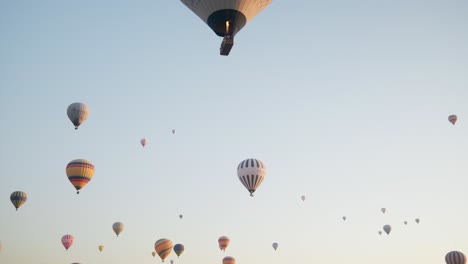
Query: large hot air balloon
x,y
452,119
80,172
275,246
153,253
455,257
303,198
417,220
383,210
229,260
179,249
387,229
223,242
77,113
143,142
101,248
251,173
18,198
226,17
163,247
67,241
118,227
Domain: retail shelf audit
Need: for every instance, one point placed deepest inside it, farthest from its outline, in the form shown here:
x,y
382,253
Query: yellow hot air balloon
x,y
80,172
118,227
163,247
101,248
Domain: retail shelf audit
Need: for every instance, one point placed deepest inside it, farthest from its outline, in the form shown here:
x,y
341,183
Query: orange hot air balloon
x,y
163,247
80,172
452,119
223,242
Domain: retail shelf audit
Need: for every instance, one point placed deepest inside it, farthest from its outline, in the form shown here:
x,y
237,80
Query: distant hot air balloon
x,y
380,232
251,173
0,246
143,142
344,218
226,17
67,241
383,210
303,198
101,248
173,131
118,227
223,242
172,261
77,113
387,229
405,222
417,220
79,172
229,260
452,119
275,246
179,249
153,253
455,257
180,216
163,247
18,198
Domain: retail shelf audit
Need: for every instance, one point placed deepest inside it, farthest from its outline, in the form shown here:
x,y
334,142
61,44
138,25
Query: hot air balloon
x,y
67,241
452,119
163,248
455,257
229,260
417,220
80,172
303,198
251,173
172,261
173,131
380,232
77,113
180,216
18,198
143,142
383,210
226,17
387,229
0,246
275,246
153,253
101,248
405,222
118,227
223,242
179,249
344,218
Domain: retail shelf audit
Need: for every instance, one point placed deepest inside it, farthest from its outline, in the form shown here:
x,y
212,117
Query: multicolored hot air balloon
x,y
79,172
223,242
387,229
455,257
303,198
179,249
143,142
417,220
251,173
101,248
383,210
67,241
275,246
153,253
18,198
229,260
118,227
226,17
77,113
163,247
452,119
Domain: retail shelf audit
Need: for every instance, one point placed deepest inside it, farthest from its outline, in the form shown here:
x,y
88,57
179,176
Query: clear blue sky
x,y
345,102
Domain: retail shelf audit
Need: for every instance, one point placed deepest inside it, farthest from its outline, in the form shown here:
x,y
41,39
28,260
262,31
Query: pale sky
x,y
345,102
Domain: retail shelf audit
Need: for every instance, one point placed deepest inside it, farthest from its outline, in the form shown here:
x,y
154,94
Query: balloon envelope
x,y
67,241
18,198
223,242
383,210
417,220
143,142
303,197
179,249
153,253
229,260
380,232
344,218
455,257
387,229
452,119
163,247
180,216
77,113
101,248
275,245
118,227
251,173
79,173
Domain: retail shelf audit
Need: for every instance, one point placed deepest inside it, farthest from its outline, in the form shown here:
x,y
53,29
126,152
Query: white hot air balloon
x,y
251,173
77,113
387,229
226,17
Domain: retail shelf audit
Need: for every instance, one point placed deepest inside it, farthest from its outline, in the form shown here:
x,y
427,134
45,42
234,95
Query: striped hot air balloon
x,y
80,172
67,241
455,257
223,242
18,198
229,260
163,247
179,249
251,173
77,113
